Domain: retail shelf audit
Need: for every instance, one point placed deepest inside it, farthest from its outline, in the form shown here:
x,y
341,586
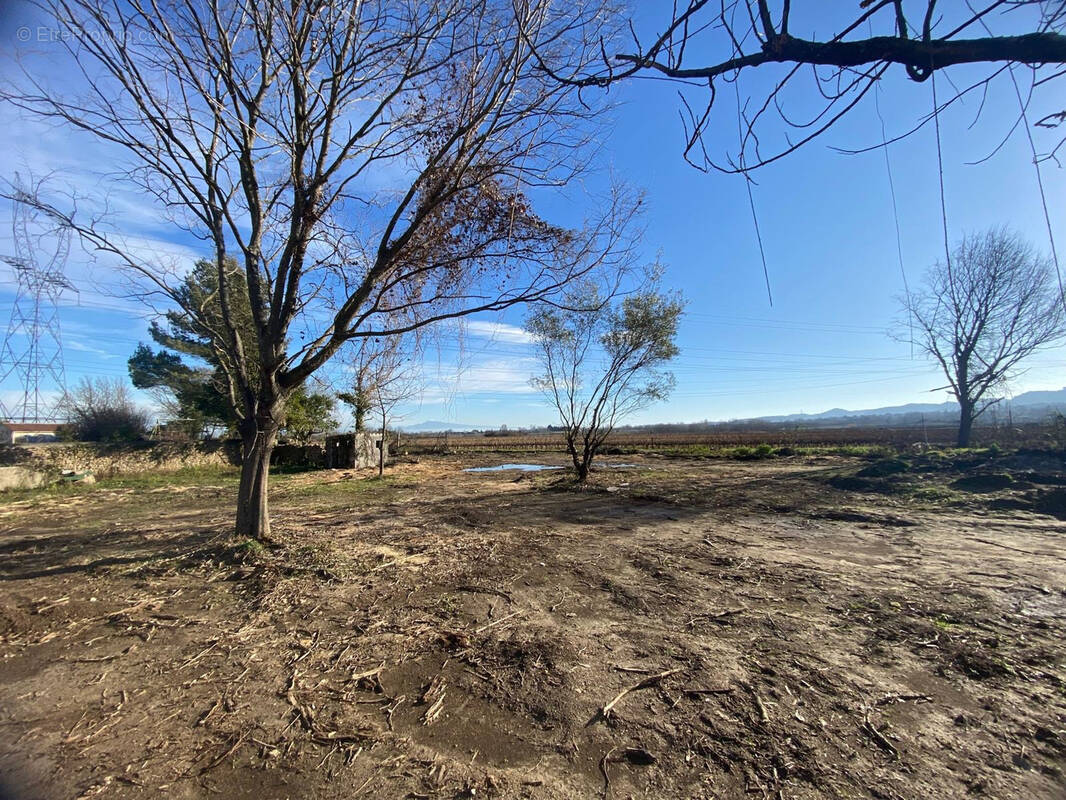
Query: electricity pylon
x,y
33,345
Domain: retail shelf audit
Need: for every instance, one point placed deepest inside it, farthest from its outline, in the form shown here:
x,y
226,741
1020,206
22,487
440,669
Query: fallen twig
x,y
392,709
718,616
395,561
112,657
200,655
53,604
207,714
695,690
492,624
227,754
652,680
370,673
763,716
878,737
307,718
603,768
904,698
638,670
434,710
484,590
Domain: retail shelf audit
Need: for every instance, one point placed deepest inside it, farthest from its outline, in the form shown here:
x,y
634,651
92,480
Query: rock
x,y
20,478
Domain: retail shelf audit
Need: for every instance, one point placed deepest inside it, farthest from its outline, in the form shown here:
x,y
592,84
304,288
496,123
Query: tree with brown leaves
x,y
365,166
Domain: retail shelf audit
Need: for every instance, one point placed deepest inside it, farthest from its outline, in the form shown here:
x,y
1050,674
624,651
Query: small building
x,y
26,432
358,450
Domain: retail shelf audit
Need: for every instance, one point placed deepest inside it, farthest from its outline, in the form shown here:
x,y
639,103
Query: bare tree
x,y
994,304
396,380
365,361
603,361
705,43
383,374
261,128
103,410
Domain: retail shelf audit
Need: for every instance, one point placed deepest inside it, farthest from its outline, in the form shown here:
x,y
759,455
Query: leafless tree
x,y
706,43
603,360
396,380
994,304
366,360
103,410
261,127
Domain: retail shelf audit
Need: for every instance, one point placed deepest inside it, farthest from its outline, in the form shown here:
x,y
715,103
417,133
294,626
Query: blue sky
x,y
829,234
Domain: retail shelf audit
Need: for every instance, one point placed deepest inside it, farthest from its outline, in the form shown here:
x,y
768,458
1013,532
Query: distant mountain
x,y
1053,398
436,426
841,413
1028,405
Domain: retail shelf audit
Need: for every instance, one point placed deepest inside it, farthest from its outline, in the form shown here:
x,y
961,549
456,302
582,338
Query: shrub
x,y
884,467
103,410
750,453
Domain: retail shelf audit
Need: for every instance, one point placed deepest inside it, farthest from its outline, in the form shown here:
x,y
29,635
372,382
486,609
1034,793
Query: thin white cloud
x,y
492,377
498,331
81,347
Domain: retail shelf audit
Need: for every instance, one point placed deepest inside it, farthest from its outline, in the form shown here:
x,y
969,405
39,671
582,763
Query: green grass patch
x,y
214,475
936,494
294,489
288,487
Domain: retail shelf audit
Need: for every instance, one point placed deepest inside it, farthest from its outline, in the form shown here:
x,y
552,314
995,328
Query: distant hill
x,y
1029,406
1026,407
841,413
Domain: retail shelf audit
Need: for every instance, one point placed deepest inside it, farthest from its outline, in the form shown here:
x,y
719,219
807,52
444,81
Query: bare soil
x,y
796,627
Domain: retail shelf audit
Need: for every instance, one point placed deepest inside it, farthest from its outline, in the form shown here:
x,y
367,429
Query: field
x,y
716,442
813,625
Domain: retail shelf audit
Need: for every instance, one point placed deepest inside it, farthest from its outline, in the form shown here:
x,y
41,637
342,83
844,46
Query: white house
x,y
11,432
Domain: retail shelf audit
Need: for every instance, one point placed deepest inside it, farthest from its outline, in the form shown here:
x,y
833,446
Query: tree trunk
x,y
965,424
253,517
582,471
580,467
581,462
589,457
381,448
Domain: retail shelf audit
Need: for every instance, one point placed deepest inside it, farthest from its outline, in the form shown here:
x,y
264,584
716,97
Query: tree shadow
x,y
42,554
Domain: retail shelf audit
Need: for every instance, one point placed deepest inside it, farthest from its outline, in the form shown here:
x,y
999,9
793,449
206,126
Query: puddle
x,y
519,467
533,467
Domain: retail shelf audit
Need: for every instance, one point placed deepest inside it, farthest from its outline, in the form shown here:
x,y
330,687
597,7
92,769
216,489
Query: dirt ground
x,y
798,627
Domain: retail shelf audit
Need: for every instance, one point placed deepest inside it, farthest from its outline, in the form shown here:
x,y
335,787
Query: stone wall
x,y
104,460
48,460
